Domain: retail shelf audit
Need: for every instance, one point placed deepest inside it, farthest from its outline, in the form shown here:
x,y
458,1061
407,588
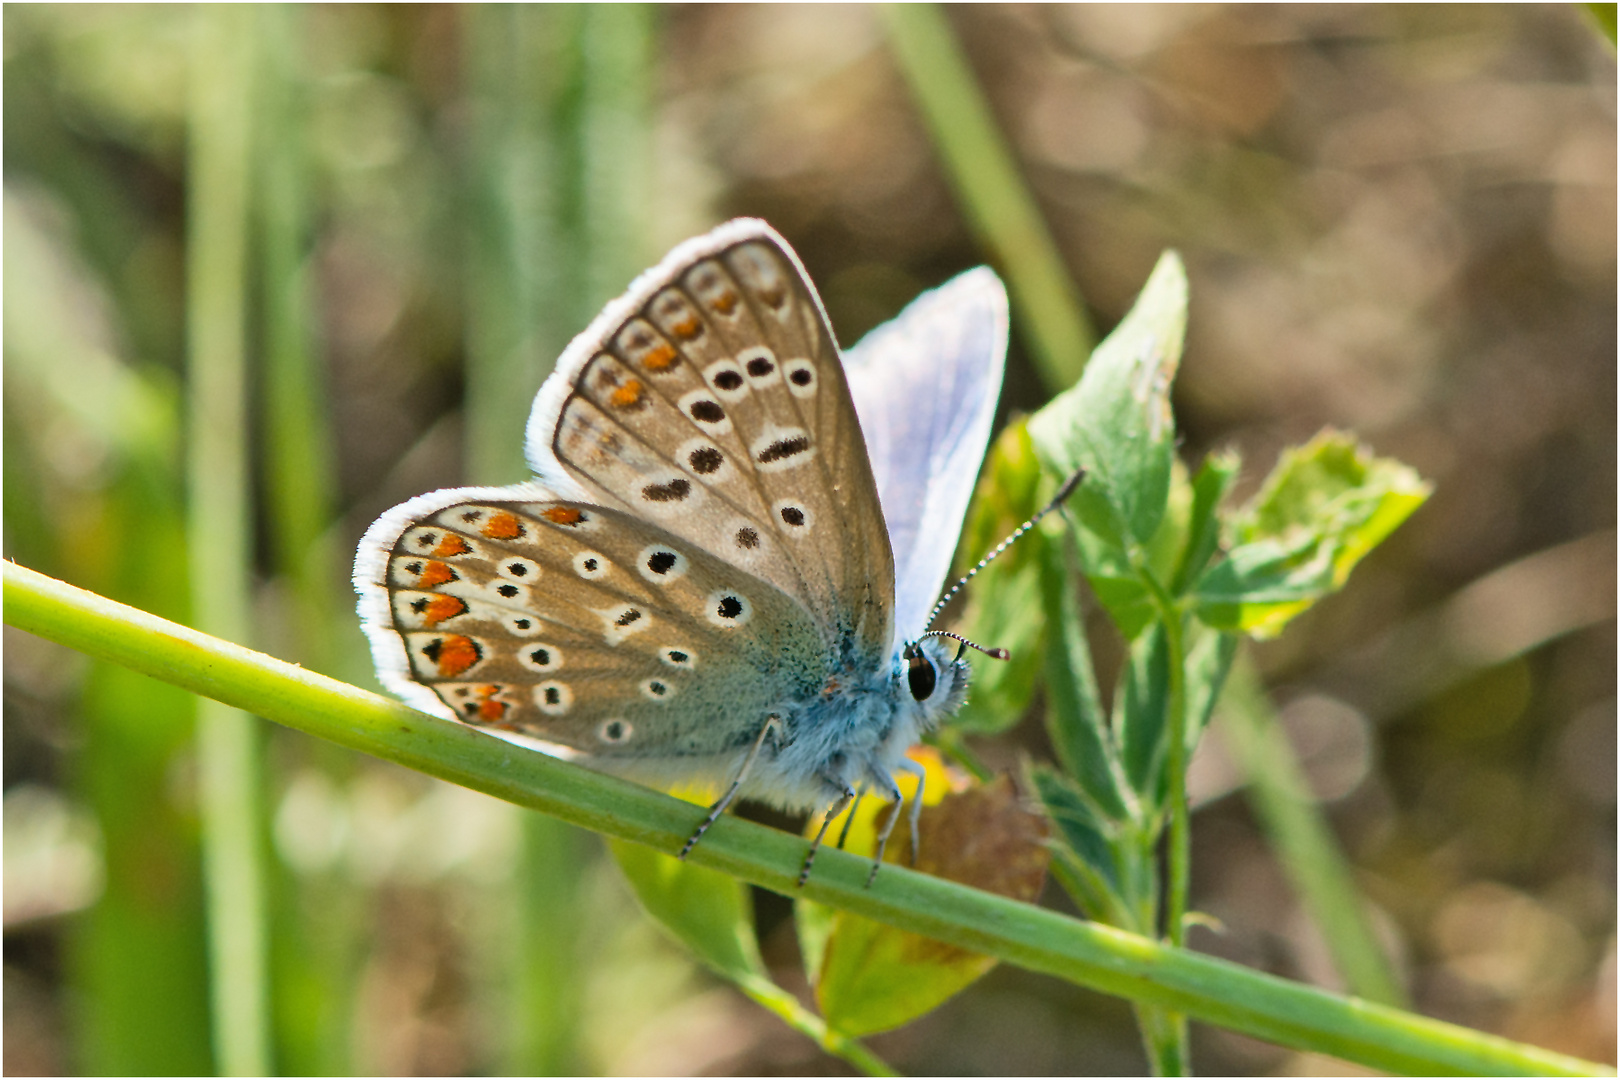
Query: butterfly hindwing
x,y
711,400
583,627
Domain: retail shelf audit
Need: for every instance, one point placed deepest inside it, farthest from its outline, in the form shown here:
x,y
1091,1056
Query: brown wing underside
x,y
584,627
719,411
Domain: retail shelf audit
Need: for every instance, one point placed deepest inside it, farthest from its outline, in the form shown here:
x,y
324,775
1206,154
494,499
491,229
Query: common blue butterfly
x,y
723,569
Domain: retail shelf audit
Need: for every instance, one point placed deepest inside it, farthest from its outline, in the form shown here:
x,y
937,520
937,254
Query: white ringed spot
x,y
801,377
656,690
521,625
782,448
794,516
727,380
705,459
591,566
759,364
728,608
541,657
615,731
661,564
553,698
621,621
516,569
508,594
705,411
678,656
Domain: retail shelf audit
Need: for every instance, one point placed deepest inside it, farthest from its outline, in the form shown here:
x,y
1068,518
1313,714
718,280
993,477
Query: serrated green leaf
x,y
1324,507
1116,421
709,912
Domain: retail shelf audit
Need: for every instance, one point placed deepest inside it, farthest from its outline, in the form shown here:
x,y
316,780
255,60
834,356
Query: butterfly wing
x,y
577,625
710,400
925,387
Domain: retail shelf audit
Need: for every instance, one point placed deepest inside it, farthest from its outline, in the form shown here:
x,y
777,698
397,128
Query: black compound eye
x,y
921,677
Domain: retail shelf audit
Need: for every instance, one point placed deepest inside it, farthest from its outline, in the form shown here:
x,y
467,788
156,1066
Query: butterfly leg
x,y
773,727
815,845
843,834
898,804
916,770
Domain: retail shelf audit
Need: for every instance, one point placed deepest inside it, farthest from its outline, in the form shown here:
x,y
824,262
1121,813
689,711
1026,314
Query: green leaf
x,y
1004,602
709,912
1214,480
1116,583
1090,842
1324,507
1141,707
1209,660
1116,420
1075,720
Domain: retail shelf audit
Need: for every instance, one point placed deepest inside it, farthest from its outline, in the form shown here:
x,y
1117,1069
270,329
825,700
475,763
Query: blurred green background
x,y
1397,220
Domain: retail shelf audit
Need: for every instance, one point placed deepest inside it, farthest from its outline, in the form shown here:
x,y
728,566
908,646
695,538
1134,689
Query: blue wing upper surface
x,y
925,388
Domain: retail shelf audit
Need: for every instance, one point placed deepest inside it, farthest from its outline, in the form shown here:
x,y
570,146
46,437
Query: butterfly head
x,y
935,677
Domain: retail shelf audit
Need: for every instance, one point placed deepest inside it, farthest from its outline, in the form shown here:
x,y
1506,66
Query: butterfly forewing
x,y
716,407
584,627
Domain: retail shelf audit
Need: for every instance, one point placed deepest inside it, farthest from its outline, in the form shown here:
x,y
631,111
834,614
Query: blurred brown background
x,y
1396,220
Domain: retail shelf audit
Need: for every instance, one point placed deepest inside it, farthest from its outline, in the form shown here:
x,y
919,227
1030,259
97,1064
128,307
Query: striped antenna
x,y
1057,500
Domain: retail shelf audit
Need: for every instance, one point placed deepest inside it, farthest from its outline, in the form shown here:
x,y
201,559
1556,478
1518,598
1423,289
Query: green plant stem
x,y
772,997
218,527
1305,845
1000,208
1166,1035
1100,957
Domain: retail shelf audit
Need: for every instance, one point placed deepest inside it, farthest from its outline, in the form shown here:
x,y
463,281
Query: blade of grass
x,y
1298,833
136,961
523,176
317,929
217,526
999,206
1100,957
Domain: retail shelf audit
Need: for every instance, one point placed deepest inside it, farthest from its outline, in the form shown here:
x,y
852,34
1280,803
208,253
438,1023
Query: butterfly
x,y
722,571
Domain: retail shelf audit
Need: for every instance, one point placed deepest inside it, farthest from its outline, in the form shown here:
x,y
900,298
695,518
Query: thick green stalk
x,y
999,206
1100,957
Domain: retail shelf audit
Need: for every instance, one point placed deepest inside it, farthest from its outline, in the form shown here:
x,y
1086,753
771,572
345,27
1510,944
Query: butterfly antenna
x,y
1057,500
994,654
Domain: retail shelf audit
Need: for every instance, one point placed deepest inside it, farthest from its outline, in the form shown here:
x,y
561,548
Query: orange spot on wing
x,y
490,708
660,358
451,545
773,296
441,608
627,396
435,573
688,328
725,303
456,655
503,526
562,515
